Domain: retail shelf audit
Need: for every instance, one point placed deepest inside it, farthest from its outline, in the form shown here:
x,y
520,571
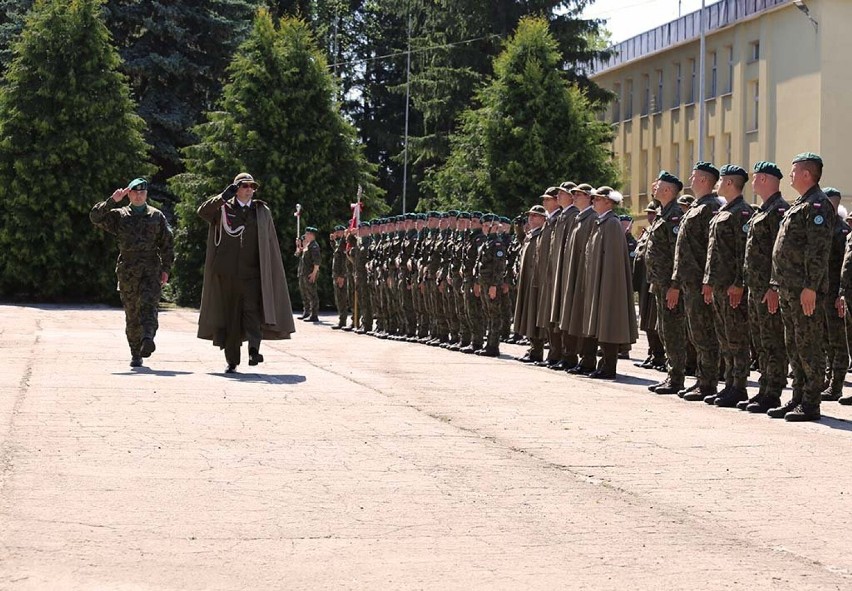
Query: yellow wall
x,y
804,88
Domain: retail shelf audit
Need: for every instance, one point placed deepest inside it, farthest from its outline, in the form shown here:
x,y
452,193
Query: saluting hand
x,y
119,194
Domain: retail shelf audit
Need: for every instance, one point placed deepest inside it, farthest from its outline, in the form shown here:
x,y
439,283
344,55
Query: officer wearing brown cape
x,y
571,319
545,270
609,318
527,298
561,357
245,291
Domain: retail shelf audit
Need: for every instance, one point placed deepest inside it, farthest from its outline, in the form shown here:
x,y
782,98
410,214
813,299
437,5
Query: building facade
x,y
778,81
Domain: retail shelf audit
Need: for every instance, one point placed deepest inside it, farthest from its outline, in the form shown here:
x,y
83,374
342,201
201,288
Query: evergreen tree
x,y
533,128
68,137
277,119
12,14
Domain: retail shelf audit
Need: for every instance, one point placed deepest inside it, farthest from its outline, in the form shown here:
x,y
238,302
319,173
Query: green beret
x,y
476,215
706,167
141,183
339,228
504,220
411,216
668,177
768,168
831,192
488,217
364,225
453,213
422,216
808,157
733,170
311,229
464,215
443,215
433,214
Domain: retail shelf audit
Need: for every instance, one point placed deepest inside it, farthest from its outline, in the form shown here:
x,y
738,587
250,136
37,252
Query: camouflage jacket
x,y
490,265
691,248
835,258
659,249
144,238
726,244
800,253
763,229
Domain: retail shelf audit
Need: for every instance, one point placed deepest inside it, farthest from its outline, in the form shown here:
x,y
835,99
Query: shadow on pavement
x,y
266,378
833,423
625,379
166,373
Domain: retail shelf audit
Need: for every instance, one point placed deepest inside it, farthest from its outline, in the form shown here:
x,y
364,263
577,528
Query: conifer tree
x,y
533,128
68,137
277,120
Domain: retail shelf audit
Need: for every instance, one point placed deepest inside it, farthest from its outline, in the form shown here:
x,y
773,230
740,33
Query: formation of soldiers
x,y
724,286
440,278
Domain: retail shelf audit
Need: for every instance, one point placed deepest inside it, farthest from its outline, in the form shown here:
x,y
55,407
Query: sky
x,y
628,18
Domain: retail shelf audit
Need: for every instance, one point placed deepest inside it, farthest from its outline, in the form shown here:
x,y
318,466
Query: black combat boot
x,y
135,362
254,356
743,404
146,347
669,387
803,412
702,393
732,397
693,388
779,412
835,387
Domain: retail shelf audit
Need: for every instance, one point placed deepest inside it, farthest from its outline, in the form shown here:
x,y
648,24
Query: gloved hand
x,y
229,192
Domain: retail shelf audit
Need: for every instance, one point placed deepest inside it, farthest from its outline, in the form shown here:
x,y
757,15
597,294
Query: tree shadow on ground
x,y
265,378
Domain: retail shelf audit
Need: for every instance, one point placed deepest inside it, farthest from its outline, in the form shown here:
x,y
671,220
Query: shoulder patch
x,y
500,253
818,220
676,229
745,227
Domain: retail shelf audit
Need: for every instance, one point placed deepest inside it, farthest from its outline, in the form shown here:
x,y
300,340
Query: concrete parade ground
x,y
350,462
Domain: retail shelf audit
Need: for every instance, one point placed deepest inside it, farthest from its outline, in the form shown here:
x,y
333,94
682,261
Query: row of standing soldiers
x,y
441,278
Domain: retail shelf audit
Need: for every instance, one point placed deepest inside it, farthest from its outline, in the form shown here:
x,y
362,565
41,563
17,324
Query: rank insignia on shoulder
x,y
818,220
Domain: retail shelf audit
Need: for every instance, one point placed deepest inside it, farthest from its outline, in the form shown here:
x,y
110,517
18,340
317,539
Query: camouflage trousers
x,y
341,301
493,317
701,328
767,331
438,323
139,288
803,336
836,350
420,309
474,310
507,301
463,335
450,311
364,301
671,327
733,334
310,297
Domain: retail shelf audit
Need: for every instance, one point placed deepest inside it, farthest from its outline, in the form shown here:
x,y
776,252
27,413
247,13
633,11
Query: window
x,y
754,51
728,157
692,81
710,156
628,168
754,105
646,94
643,173
676,154
730,87
628,100
616,104
714,75
658,160
658,99
690,153
677,82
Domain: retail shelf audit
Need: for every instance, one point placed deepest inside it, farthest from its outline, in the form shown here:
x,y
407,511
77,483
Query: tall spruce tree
x,y
533,128
12,14
278,120
68,137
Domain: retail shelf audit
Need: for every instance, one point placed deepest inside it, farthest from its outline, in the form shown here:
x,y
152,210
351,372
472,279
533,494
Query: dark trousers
x,y
241,298
609,360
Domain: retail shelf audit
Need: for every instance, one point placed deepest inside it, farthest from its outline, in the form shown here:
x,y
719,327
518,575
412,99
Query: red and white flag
x,y
356,208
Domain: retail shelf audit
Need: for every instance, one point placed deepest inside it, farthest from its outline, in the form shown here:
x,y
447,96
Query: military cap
x,y
364,224
411,216
685,200
453,213
608,193
476,215
583,188
504,220
339,228
768,168
568,186
311,229
808,157
651,207
831,192
433,214
444,215
706,167
246,178
464,215
537,210
756,207
625,217
139,184
550,192
733,170
488,217
422,216
668,177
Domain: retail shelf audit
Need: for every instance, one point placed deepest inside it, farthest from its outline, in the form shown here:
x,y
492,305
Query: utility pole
x,y
407,95
701,79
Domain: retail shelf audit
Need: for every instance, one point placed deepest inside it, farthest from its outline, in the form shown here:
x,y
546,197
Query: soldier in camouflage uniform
x,y
490,269
311,259
472,297
836,350
687,276
767,329
846,291
338,277
723,283
146,254
659,268
351,239
359,254
800,275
